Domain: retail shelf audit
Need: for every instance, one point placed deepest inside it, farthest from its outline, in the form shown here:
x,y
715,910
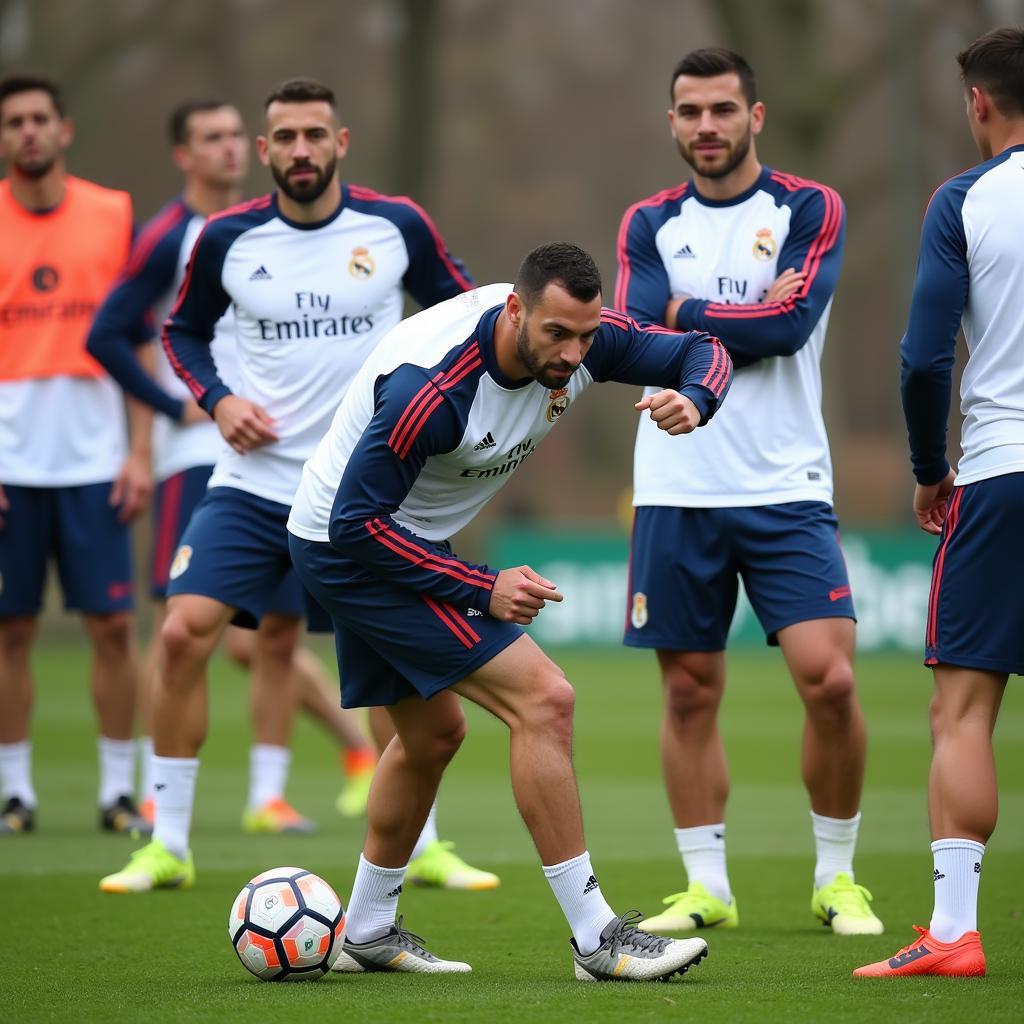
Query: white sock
x,y
957,874
581,900
117,769
268,773
16,772
703,851
429,833
174,787
145,768
834,841
374,901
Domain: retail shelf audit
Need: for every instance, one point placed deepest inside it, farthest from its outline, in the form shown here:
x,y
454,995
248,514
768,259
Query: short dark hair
x,y
716,60
177,123
559,263
14,84
995,62
301,90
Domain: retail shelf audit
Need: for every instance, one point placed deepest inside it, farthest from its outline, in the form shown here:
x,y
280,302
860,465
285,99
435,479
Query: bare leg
x,y
17,687
114,672
318,696
819,654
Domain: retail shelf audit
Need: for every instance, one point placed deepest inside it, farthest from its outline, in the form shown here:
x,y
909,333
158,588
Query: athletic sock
x,y
16,772
703,851
429,833
117,769
145,768
581,900
268,773
374,901
834,842
174,787
957,874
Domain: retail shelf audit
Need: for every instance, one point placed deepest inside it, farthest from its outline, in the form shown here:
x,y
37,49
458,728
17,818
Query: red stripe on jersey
x,y
467,636
952,519
625,270
411,552
361,192
716,363
717,385
170,513
151,235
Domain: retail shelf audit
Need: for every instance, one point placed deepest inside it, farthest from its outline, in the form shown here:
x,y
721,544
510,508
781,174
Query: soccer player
x,y
441,415
68,484
210,147
751,255
970,273
315,271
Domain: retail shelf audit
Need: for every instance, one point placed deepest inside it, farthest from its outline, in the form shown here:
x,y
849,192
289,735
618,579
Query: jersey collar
x,y
762,179
315,224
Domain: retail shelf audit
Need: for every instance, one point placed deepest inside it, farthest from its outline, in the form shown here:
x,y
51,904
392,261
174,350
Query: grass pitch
x,y
72,953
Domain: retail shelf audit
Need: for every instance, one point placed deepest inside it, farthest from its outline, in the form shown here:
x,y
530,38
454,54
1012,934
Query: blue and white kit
x,y
429,431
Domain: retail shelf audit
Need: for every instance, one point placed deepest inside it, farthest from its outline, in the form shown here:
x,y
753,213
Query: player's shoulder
x,y
96,195
659,207
954,190
794,190
226,225
167,225
403,211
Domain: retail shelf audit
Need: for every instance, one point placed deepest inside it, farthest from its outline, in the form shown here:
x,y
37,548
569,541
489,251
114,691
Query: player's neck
x,y
1009,133
735,183
38,193
207,200
310,213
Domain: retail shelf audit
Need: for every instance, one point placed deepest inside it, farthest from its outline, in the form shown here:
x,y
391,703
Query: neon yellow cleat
x,y
351,802
688,911
438,866
152,867
277,816
845,907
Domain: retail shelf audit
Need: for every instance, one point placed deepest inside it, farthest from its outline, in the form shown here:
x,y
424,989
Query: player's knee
x,y
688,695
180,642
437,746
277,638
831,691
554,706
113,635
16,635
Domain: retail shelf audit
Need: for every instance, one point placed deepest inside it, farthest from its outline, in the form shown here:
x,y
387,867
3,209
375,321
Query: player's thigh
x,y
431,729
974,617
428,643
26,539
235,551
682,579
94,551
175,501
791,563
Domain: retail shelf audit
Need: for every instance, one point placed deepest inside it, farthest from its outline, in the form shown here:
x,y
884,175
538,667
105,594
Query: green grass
x,y
70,953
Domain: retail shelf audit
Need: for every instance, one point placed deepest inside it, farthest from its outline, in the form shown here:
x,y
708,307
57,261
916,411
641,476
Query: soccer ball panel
x,y
306,943
273,905
319,896
259,954
263,876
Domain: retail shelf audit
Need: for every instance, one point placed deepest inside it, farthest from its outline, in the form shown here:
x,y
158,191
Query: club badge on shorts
x,y
638,613
182,557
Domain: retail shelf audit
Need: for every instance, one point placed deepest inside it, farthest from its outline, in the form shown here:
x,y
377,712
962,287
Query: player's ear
x,y
180,158
981,102
514,309
67,132
757,115
341,143
262,150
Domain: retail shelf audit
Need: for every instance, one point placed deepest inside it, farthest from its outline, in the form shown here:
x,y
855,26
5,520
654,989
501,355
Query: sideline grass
x,y
69,952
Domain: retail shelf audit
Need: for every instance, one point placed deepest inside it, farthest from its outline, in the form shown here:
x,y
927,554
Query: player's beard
x,y
543,373
735,157
36,168
308,192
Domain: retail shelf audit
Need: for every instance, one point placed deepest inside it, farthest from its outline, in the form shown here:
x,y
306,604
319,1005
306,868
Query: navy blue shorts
x,y
974,608
235,550
77,526
392,642
176,500
685,564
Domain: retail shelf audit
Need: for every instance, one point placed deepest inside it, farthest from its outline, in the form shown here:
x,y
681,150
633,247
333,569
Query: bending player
x,y
401,470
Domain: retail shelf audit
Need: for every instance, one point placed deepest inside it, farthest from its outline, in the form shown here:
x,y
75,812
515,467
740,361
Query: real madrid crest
x,y
765,246
182,557
361,265
638,613
558,403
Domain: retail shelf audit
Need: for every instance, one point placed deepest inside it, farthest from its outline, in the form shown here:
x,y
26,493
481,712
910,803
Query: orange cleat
x,y
961,959
147,810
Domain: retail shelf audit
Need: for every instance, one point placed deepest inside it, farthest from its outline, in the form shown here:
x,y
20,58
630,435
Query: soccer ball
x,y
286,924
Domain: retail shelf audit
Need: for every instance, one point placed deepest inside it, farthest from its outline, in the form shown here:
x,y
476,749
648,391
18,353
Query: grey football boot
x,y
627,954
395,950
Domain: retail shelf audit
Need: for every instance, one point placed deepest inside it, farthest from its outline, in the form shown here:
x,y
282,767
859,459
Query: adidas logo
x,y
474,611
261,274
938,875
487,442
684,253
394,894
160,786
591,885
977,867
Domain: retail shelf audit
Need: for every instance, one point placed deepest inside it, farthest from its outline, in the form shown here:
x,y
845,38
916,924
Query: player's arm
x,y
781,327
122,323
434,274
693,366
928,349
411,422
641,286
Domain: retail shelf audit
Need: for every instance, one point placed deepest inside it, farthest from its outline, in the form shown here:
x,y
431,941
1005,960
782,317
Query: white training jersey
x,y
770,445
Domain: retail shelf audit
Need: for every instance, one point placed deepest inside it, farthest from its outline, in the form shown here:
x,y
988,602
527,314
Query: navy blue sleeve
x,y
124,319
928,348
694,363
641,286
202,301
813,246
412,420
